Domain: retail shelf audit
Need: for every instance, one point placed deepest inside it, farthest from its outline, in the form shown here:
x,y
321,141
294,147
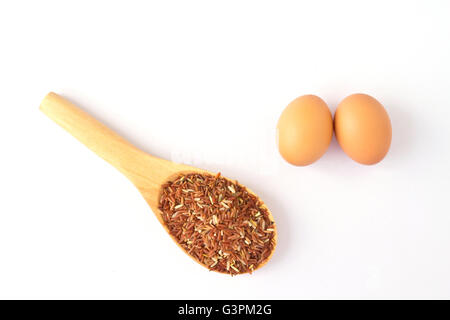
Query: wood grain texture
x,y
145,171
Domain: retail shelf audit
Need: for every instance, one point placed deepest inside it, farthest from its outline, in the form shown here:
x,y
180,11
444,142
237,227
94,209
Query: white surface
x,y
206,82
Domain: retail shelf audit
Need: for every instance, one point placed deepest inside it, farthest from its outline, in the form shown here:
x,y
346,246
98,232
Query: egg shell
x,y
304,130
363,128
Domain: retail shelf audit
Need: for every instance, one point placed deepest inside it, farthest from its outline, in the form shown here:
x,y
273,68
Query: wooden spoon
x,y
145,171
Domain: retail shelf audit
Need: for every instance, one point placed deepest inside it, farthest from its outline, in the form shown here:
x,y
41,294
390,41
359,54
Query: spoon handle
x,y
96,136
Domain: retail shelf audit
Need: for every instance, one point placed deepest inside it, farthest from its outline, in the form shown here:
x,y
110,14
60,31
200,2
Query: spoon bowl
x,y
148,173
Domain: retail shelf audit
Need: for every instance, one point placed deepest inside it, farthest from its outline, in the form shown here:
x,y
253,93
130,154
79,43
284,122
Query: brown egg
x,y
363,128
304,130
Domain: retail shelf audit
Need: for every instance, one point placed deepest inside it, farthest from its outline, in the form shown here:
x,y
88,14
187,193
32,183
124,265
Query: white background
x,y
206,81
